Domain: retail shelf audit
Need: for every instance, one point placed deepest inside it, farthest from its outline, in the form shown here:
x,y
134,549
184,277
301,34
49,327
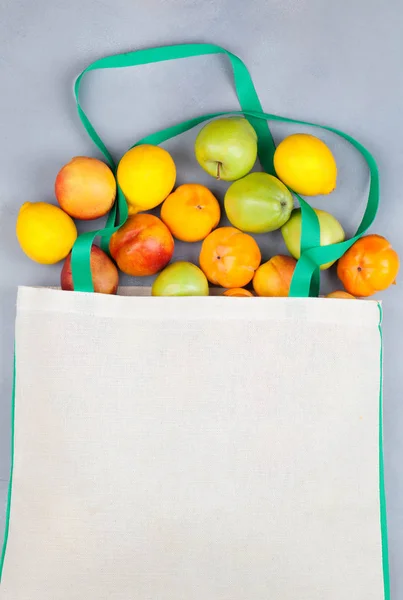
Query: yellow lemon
x,y
306,165
46,234
146,175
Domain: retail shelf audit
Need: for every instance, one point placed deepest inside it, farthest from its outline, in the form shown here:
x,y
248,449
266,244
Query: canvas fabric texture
x,y
194,448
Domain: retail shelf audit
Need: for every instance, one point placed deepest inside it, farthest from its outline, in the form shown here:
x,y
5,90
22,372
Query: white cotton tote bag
x,y
193,448
197,448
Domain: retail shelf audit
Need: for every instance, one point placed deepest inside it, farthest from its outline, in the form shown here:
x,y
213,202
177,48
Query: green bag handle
x,y
305,281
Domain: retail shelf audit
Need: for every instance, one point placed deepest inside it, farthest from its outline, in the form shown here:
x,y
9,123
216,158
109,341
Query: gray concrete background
x,y
337,63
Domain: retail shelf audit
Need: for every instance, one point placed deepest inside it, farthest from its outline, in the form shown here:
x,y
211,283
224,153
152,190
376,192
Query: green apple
x,y
181,279
227,148
258,203
331,232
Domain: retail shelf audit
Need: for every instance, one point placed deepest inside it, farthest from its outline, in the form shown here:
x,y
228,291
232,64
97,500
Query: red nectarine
x,y
105,275
142,246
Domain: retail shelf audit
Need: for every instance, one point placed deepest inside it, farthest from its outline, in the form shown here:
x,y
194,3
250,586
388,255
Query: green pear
x,y
181,279
227,148
331,232
258,203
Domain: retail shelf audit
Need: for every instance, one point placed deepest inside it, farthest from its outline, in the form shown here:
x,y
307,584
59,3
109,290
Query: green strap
x,y
306,277
245,89
248,100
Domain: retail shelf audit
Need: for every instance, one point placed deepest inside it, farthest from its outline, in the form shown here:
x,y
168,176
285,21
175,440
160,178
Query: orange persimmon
x,y
229,258
238,293
369,266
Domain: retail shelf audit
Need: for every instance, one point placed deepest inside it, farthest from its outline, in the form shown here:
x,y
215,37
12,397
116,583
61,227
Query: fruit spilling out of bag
x,y
254,203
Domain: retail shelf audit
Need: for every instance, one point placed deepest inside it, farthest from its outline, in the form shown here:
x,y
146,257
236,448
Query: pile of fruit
x,y
254,202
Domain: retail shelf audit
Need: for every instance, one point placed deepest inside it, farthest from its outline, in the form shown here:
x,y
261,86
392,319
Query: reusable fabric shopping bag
x,y
197,448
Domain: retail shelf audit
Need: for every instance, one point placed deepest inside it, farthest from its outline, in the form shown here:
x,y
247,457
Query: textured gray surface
x,y
335,63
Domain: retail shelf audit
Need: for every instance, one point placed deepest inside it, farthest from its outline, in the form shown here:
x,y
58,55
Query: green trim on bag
x,y
10,483
305,281
382,491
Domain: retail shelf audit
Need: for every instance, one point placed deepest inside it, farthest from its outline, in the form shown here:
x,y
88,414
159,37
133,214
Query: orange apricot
x,y
85,188
191,212
341,295
273,278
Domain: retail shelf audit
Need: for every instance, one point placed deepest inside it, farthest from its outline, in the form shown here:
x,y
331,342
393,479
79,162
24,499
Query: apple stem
x,y
219,165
